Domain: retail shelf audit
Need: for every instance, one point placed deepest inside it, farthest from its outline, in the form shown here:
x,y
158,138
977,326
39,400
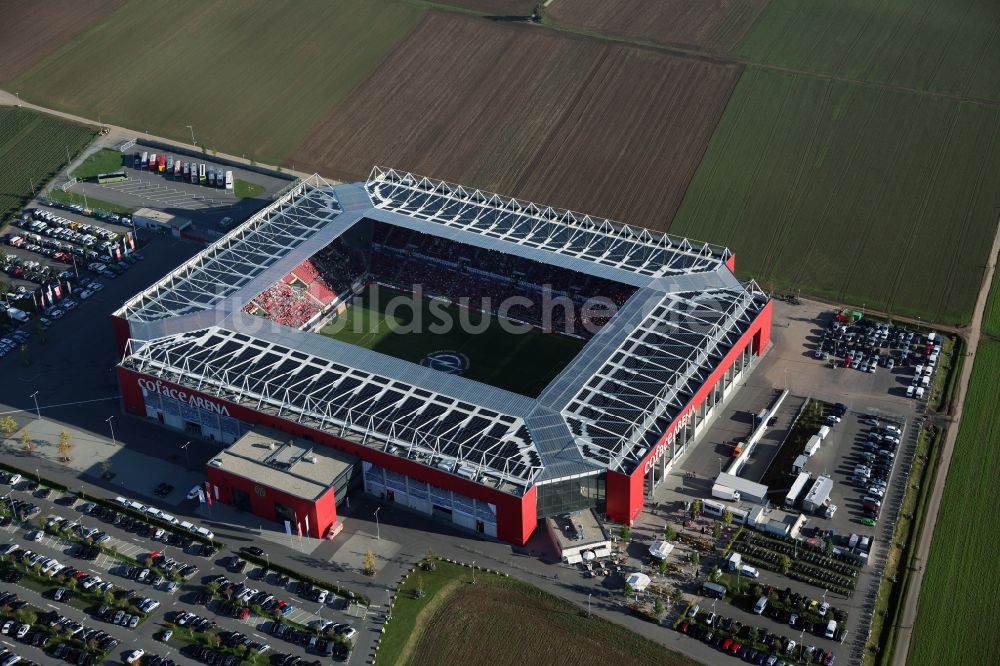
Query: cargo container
x,y
229,180
818,494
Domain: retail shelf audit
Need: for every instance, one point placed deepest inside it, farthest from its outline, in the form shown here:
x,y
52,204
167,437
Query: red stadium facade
x,y
202,354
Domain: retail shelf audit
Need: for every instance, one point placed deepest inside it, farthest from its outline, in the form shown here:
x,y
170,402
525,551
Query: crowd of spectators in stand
x,y
557,299
284,305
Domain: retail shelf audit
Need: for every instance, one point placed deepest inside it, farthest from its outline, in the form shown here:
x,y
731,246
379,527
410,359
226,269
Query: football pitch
x,y
454,340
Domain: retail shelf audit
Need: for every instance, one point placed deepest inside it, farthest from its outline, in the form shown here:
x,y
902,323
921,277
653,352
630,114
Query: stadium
x,y
480,359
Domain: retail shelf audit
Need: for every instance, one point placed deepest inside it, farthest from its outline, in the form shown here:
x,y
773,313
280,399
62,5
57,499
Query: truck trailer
x,y
797,487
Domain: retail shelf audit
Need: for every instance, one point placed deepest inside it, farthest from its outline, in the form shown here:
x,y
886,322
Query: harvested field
x,y
495,7
251,77
30,31
604,129
991,318
872,197
947,46
715,25
961,584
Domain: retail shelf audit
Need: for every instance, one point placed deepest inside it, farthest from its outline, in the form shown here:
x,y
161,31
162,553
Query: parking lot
x,y
139,542
205,206
868,396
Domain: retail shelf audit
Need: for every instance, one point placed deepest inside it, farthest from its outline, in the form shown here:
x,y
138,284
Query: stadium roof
x,y
604,410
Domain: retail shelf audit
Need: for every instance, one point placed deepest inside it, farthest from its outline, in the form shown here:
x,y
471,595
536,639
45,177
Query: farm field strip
x,y
822,188
250,77
716,25
948,46
33,148
558,124
961,583
991,317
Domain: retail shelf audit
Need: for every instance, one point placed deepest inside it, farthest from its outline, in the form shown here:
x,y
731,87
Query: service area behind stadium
x,y
480,359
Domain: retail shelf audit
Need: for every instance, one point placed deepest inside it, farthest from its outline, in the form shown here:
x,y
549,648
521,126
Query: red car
x,y
735,647
726,644
683,627
244,613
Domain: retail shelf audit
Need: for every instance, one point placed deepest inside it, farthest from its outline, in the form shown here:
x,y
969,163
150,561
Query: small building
x,y
160,222
579,536
289,481
818,494
812,446
800,463
730,484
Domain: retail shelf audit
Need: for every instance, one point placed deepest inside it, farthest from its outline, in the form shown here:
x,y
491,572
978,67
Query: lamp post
x,y
378,533
38,412
187,453
112,426
473,572
193,142
588,604
18,98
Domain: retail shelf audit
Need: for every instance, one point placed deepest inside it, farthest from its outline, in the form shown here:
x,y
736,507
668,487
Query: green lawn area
x,y
457,622
251,78
105,160
245,189
76,198
32,150
947,46
522,362
961,585
856,194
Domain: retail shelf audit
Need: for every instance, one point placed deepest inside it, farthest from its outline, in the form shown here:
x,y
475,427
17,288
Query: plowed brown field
x,y
714,25
29,31
604,129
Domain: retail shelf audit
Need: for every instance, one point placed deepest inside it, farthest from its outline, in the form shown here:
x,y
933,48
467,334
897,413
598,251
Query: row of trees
x,y
8,426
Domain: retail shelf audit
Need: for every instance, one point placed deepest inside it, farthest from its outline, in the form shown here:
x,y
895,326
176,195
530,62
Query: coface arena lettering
x,y
662,447
183,396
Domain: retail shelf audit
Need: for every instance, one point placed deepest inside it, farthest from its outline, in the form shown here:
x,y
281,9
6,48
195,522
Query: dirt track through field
x,y
908,619
610,130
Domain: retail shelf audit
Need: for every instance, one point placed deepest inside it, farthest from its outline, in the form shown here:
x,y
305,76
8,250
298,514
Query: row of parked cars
x,y
874,468
782,648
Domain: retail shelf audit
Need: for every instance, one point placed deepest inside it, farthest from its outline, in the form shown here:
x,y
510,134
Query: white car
x,y
16,479
85,294
56,314
35,535
134,656
194,492
23,630
68,304
8,549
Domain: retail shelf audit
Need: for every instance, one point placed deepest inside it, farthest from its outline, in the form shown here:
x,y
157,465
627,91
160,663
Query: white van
x,y
206,533
188,526
910,390
920,393
761,604
831,629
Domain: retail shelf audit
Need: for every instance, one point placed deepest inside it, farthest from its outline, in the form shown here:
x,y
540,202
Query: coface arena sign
x,y
662,447
183,396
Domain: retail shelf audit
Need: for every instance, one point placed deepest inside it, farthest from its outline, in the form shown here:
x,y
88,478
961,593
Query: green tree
x,y
626,533
418,586
669,533
26,616
727,517
786,564
695,560
716,529
65,446
27,444
8,426
663,566
106,468
696,508
677,595
658,608
753,634
628,590
369,567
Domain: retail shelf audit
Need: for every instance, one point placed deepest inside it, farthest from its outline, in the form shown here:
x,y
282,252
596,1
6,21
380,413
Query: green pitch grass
x,y
251,78
872,197
520,362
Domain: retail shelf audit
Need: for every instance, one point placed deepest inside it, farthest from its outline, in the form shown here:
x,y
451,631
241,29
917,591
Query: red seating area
x,y
284,305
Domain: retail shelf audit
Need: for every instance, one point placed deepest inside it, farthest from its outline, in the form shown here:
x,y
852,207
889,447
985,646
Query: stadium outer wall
x,y
517,516
625,492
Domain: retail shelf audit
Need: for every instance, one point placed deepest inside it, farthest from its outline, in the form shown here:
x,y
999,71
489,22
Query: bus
x,y
112,177
186,174
145,160
211,177
194,172
170,164
201,173
229,180
178,168
162,164
714,590
152,161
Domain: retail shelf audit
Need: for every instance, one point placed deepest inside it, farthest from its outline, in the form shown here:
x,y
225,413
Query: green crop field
x,y
961,585
991,318
857,194
522,362
250,77
946,46
33,149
